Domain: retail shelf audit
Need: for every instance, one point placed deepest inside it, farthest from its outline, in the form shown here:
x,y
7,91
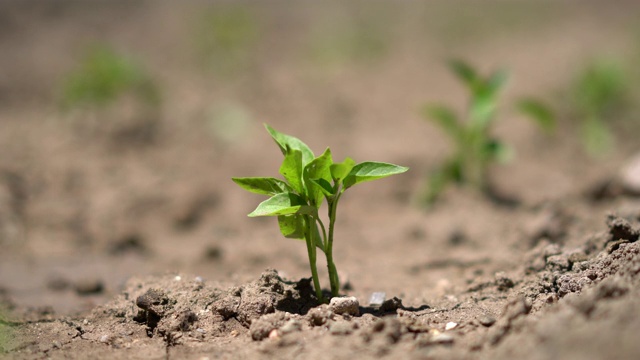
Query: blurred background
x,y
121,124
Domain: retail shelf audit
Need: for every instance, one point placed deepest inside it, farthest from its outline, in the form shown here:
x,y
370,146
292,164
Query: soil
x,y
123,237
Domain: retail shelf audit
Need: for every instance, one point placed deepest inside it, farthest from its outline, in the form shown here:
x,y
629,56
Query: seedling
x,y
297,199
599,91
103,76
476,147
226,37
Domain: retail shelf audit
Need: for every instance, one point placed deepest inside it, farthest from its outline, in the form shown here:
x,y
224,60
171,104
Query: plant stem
x,y
331,266
311,250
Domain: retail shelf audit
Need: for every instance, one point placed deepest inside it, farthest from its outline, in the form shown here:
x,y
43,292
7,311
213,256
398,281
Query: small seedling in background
x,y
475,147
103,76
296,201
346,38
598,92
225,37
113,95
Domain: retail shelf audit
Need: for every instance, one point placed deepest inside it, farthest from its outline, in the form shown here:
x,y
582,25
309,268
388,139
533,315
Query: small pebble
x,y
199,279
630,176
450,326
177,278
57,344
273,334
376,299
234,333
486,320
201,331
88,286
105,339
345,305
442,338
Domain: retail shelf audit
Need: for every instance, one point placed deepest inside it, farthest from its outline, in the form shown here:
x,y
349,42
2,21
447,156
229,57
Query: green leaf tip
x,y
264,186
284,141
370,170
282,204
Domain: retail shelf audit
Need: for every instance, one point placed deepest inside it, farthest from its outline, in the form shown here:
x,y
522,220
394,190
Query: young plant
x,y
476,147
308,182
109,93
598,92
103,76
226,36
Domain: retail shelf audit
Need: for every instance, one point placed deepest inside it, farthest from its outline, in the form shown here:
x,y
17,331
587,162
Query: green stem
x,y
331,266
311,250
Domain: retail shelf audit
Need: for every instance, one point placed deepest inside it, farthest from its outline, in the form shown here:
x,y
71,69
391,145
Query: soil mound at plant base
x,y
569,303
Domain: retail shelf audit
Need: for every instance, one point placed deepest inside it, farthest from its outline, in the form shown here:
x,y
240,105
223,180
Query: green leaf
x,y
497,150
292,226
325,186
283,204
445,118
318,168
369,170
291,169
538,112
465,73
482,111
264,186
495,82
340,170
292,142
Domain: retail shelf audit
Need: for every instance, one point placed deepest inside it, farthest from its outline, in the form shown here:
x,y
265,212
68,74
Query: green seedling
x,y
476,147
345,39
226,37
308,182
102,77
598,92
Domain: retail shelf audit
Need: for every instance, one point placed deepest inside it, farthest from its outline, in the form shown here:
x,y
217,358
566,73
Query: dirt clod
x,y
345,306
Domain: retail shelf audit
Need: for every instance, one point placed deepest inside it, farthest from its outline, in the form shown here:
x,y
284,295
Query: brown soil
x,y
123,237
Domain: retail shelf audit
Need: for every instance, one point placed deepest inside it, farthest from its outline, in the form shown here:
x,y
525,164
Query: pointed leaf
x,y
495,82
340,170
284,141
482,112
283,204
368,171
318,168
539,113
264,186
325,186
291,226
465,73
291,169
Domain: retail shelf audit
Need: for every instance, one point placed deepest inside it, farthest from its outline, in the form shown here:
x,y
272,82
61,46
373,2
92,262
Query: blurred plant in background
x,y
599,93
226,36
103,76
475,146
350,37
113,93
